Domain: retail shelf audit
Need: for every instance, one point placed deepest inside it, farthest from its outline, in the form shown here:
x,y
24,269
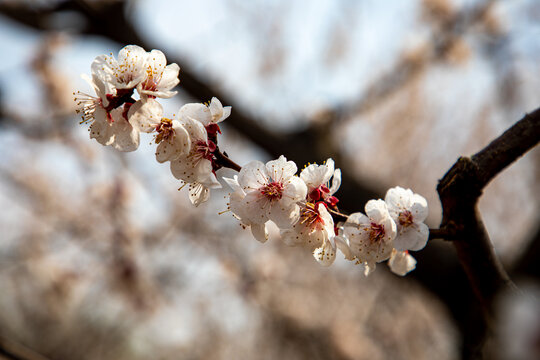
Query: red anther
x,y
324,189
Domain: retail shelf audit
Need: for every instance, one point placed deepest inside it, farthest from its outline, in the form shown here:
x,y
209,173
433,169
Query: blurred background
x,y
102,258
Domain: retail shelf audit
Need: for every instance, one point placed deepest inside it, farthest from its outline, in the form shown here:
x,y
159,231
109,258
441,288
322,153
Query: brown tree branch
x,y
459,191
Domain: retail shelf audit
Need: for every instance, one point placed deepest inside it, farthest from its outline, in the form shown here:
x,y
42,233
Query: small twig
x,y
224,161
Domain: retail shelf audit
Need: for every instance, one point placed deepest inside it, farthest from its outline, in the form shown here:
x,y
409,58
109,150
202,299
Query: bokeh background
x,y
102,258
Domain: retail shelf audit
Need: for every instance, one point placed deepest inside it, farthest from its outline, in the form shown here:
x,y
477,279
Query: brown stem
x,y
224,161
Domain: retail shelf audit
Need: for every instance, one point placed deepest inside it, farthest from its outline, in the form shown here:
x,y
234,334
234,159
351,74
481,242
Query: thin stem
x,y
224,161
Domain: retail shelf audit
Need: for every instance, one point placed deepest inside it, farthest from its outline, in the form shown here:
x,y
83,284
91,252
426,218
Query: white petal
x,y
281,170
401,262
172,149
145,114
132,58
226,113
285,216
316,175
195,129
253,176
216,109
196,111
357,219
198,193
156,60
295,190
101,128
126,137
343,246
255,208
169,79
377,210
419,208
412,237
260,232
326,254
336,182
233,183
183,168
327,219
369,267
398,199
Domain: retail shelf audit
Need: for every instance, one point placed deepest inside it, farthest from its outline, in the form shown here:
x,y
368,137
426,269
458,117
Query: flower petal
x,y
326,254
377,210
253,176
196,111
284,216
260,232
198,193
401,262
419,208
281,170
256,208
145,114
412,237
295,190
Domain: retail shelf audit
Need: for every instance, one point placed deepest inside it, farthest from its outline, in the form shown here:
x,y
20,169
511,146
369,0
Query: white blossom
x,y
409,210
107,127
401,262
259,231
315,230
126,72
371,237
317,179
92,110
160,77
173,140
196,166
272,192
219,113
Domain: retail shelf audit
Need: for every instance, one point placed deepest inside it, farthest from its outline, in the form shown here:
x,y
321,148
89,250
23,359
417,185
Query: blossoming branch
x,y
303,206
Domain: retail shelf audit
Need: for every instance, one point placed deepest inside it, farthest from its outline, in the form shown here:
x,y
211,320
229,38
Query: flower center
x,y
165,130
273,191
152,79
405,218
205,149
310,216
376,232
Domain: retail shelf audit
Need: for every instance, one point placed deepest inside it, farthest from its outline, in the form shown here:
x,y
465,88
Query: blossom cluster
x,y
188,141
302,206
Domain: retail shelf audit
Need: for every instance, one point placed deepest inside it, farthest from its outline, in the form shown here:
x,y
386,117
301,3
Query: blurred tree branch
x,y
11,350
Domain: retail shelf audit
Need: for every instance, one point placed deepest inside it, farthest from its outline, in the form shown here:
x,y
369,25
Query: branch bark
x,y
459,191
